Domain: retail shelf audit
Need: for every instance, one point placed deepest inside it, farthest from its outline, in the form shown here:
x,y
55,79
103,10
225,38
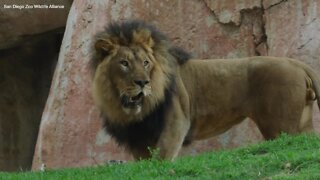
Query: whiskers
x,y
134,91
147,90
130,91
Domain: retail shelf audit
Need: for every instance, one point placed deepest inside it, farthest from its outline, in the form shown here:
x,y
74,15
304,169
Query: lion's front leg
x,y
176,128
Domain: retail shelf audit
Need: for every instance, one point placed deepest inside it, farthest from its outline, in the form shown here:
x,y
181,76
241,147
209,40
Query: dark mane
x,y
138,135
124,32
145,133
180,54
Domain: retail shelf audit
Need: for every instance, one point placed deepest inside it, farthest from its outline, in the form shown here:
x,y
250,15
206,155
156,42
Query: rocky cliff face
x,y
70,132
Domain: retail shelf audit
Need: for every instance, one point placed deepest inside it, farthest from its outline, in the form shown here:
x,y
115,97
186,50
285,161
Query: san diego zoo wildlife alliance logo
x,y
32,6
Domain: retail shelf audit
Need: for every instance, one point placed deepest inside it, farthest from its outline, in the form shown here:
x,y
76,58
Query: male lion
x,y
150,95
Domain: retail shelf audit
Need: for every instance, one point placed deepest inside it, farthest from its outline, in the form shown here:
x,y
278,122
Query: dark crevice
x,y
26,72
260,11
264,38
273,5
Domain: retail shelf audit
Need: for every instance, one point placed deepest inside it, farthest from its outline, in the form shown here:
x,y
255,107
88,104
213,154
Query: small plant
x,y
155,153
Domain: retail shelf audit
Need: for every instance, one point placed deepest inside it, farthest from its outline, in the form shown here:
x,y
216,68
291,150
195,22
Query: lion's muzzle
x,y
132,102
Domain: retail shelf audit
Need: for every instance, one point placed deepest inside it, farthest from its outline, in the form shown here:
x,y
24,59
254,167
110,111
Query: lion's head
x,y
134,66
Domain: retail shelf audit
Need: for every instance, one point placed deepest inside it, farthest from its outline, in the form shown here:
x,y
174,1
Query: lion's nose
x,y
141,83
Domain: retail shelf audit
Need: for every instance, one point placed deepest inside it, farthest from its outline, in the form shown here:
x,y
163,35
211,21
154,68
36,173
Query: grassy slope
x,y
285,158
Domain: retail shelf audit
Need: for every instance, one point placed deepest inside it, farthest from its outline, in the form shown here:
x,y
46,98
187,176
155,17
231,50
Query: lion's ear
x,y
143,37
105,45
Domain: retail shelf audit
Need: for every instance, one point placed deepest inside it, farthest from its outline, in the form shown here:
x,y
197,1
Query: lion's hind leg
x,y
297,118
284,110
271,127
281,100
306,124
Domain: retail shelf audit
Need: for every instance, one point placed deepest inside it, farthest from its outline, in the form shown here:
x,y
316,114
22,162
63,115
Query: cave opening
x,y
26,72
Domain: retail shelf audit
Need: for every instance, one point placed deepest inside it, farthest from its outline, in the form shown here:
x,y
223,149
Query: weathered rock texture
x,y
70,132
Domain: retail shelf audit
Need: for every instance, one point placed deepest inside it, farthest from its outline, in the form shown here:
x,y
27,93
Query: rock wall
x,y
70,132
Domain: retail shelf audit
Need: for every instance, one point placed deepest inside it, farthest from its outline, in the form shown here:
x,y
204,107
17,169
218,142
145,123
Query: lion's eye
x,y
124,63
145,63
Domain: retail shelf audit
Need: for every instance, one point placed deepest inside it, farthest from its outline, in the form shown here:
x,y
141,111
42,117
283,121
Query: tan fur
x,y
109,81
272,91
276,93
211,95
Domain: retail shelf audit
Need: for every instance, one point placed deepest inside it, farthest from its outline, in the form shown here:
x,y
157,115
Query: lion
x,y
152,94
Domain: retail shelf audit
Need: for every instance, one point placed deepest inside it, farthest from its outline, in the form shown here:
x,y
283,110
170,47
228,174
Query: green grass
x,y
285,158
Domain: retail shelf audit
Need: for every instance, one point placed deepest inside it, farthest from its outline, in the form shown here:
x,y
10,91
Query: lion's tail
x,y
315,78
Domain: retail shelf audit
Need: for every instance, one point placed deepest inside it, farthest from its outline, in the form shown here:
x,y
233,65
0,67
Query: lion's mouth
x,y
132,102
